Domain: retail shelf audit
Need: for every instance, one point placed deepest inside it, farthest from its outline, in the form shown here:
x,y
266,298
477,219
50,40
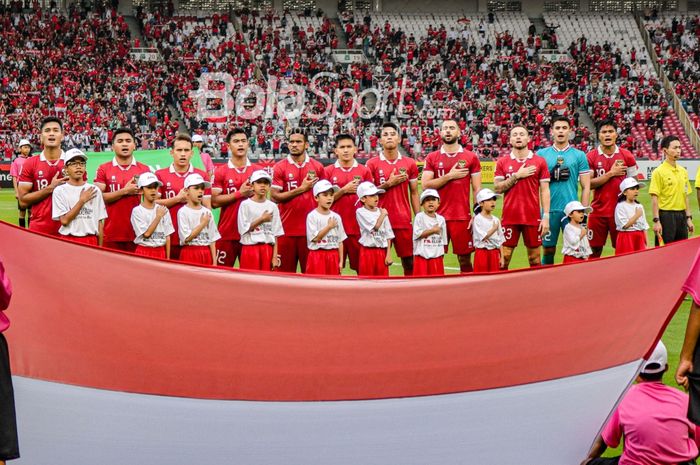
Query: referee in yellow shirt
x,y
669,191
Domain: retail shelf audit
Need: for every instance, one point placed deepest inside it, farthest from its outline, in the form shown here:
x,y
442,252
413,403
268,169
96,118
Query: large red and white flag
x,y
120,359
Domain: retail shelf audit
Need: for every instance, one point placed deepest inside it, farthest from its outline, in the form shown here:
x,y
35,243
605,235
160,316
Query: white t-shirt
x,y
366,219
315,222
87,223
141,219
187,221
266,233
574,244
432,246
481,227
624,211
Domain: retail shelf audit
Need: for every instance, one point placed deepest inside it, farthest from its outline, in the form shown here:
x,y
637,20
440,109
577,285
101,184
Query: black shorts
x,y
9,444
674,226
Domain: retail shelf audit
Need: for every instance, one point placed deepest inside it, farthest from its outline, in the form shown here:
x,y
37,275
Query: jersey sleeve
x,y
161,189
688,190
621,216
100,176
364,221
697,179
167,223
14,170
443,231
387,227
367,175
26,174
214,234
311,227
583,167
413,171
479,228
244,220
475,166
217,186
320,170
590,158
544,171
572,237
59,204
654,185
612,433
631,164
429,166
341,229
278,177
499,172
101,208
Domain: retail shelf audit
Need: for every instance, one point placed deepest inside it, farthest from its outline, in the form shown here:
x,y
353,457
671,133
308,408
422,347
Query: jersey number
x,y
42,184
291,185
114,187
599,172
507,233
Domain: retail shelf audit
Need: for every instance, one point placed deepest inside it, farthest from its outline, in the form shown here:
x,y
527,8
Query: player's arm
x,y
585,180
545,199
476,184
387,259
161,211
86,195
283,197
332,223
688,213
203,223
394,180
212,249
100,233
382,216
110,197
655,213
167,247
430,182
340,254
692,332
219,200
415,197
181,197
597,449
697,193
264,218
27,198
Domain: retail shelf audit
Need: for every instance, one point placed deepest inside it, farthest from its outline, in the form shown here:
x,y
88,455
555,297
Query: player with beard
x,y
568,166
117,180
452,171
232,186
292,182
523,179
347,173
41,175
398,176
173,192
610,165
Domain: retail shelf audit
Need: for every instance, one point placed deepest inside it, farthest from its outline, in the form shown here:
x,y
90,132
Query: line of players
x,y
536,189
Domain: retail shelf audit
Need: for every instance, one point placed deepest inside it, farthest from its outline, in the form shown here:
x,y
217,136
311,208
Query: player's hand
x,y
397,178
458,173
266,217
161,211
543,228
130,188
525,171
246,189
204,219
87,194
388,261
351,187
276,261
57,180
182,195
684,367
308,183
501,261
383,211
618,169
691,226
657,228
332,223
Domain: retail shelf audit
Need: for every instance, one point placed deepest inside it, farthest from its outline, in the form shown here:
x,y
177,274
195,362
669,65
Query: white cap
x,y
485,194
629,182
24,142
324,186
575,206
658,360
260,174
195,179
146,179
429,193
197,138
72,154
367,188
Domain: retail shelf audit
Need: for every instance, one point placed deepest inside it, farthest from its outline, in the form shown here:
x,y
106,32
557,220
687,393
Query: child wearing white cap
x,y
630,221
260,225
429,237
77,205
196,226
576,246
25,150
151,222
324,233
375,232
487,233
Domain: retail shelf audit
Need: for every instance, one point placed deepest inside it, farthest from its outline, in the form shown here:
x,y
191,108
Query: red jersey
x,y
345,206
521,203
173,183
228,180
114,176
287,176
605,197
397,198
455,195
39,172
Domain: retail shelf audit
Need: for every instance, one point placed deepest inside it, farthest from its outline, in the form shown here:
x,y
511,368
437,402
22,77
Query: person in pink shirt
x,y
686,375
198,142
25,151
652,420
9,444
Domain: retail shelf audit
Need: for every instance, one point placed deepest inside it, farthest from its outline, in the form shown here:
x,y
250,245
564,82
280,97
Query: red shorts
x,y
630,241
531,235
570,259
403,242
124,246
323,262
256,257
227,251
372,262
175,252
428,266
292,250
196,254
153,252
351,251
88,240
461,237
486,261
598,229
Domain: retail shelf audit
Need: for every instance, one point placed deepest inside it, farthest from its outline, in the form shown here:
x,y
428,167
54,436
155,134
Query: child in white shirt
x,y
429,237
487,234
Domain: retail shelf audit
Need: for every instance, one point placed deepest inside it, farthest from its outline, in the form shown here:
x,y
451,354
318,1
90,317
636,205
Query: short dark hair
x,y
182,136
666,141
235,131
301,131
559,118
393,126
50,119
340,137
606,122
123,131
652,376
520,126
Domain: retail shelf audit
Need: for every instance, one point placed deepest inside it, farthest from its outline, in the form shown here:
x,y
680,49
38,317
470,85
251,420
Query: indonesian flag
x,y
560,100
155,362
